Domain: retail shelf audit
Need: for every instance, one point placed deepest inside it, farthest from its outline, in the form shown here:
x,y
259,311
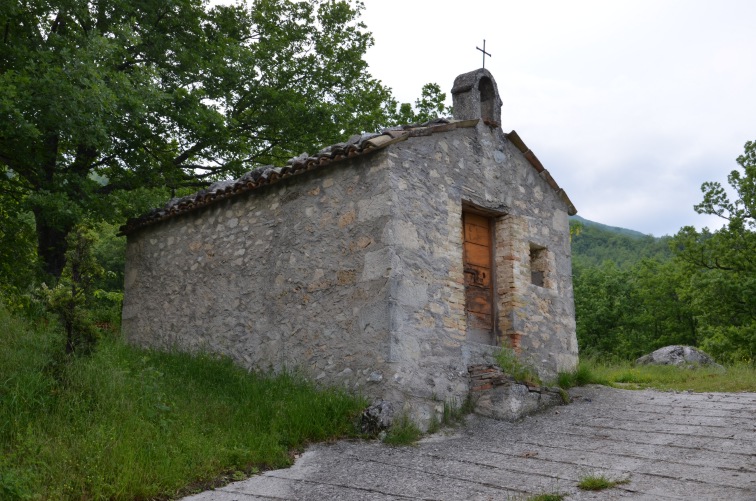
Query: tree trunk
x,y
51,243
52,228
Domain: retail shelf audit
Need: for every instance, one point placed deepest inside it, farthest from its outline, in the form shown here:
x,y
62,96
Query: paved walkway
x,y
692,446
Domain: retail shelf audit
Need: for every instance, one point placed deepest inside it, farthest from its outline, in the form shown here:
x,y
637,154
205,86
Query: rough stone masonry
x,y
388,264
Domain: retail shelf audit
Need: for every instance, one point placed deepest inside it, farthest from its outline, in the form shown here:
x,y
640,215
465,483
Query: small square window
x,y
538,265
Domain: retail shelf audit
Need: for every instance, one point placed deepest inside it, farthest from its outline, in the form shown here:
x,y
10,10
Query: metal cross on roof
x,y
483,50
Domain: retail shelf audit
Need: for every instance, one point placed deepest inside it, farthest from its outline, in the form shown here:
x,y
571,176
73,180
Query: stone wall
x,y
354,273
433,178
293,276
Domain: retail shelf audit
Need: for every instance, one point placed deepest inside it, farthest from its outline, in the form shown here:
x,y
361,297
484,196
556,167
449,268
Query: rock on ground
x,y
376,418
678,355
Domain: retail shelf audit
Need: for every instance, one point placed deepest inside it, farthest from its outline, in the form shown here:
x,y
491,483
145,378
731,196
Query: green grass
x,y
583,375
126,423
735,378
511,364
599,483
403,431
453,414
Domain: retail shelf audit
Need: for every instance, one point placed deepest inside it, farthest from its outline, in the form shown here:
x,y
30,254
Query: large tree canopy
x,y
723,291
733,247
97,97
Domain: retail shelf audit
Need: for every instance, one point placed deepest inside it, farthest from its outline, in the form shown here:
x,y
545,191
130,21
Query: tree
x,y
606,309
74,292
723,290
733,247
629,311
17,252
105,96
429,106
666,315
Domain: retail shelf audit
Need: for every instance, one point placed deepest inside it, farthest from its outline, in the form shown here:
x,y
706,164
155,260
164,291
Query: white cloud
x,y
630,104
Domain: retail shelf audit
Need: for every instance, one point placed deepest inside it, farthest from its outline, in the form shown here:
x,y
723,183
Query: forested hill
x,y
606,227
596,243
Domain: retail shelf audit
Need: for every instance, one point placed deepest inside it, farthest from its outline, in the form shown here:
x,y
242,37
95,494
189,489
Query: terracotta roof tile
x,y
356,145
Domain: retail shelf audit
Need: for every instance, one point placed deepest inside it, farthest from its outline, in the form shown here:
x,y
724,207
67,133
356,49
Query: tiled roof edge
x,y
515,139
357,145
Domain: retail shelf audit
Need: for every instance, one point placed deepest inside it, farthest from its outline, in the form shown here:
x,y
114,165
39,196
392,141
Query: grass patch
x,y
403,432
734,378
511,364
599,483
126,423
453,414
583,375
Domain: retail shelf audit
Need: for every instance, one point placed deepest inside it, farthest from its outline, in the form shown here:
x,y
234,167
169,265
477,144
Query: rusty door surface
x,y
478,268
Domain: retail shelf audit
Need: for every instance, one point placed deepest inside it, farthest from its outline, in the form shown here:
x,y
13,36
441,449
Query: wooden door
x,y
478,268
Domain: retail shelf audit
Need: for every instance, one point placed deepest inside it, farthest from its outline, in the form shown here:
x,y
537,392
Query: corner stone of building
x,y
499,396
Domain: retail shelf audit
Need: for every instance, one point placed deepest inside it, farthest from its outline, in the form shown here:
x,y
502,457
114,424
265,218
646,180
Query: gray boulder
x,y
377,418
679,355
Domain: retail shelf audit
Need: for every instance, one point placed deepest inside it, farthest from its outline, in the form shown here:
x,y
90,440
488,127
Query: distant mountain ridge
x,y
605,227
599,243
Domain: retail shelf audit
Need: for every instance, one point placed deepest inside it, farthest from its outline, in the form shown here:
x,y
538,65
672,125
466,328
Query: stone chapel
x,y
394,264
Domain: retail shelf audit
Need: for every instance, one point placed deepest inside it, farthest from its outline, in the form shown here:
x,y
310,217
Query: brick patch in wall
x,y
484,377
487,376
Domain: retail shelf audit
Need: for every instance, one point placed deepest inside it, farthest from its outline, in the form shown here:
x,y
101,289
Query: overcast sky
x,y
630,105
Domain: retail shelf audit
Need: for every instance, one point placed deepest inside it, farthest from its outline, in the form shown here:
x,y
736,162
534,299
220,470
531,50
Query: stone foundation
x,y
500,396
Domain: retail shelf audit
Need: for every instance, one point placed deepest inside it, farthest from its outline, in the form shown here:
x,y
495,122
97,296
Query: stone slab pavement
x,y
693,446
